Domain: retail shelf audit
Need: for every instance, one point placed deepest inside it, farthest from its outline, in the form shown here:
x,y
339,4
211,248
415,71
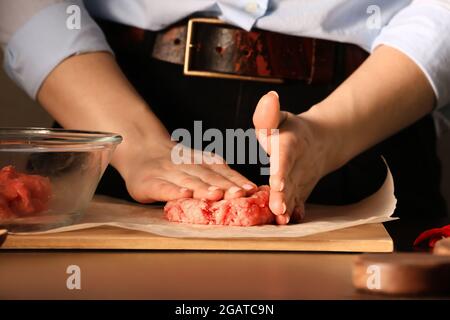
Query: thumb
x,y
267,112
267,117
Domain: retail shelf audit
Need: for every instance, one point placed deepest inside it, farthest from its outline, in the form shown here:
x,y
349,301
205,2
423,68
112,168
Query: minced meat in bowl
x,y
49,176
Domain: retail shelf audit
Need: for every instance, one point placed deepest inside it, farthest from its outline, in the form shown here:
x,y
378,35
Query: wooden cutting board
x,y
364,238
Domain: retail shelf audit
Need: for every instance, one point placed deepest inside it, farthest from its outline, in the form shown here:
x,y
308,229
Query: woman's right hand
x,y
90,92
151,174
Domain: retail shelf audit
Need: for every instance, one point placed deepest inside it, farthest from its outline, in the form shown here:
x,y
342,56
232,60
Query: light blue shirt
x,y
418,28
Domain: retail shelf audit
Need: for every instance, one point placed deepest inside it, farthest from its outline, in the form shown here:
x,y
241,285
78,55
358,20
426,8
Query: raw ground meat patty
x,y
22,194
246,211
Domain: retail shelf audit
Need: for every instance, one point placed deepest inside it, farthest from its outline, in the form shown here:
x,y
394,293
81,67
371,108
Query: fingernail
x,y
284,208
213,188
281,185
274,93
183,190
248,187
234,189
288,218
284,219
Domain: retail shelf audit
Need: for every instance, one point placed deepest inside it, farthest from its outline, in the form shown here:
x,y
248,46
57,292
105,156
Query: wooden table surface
x,y
189,274
178,275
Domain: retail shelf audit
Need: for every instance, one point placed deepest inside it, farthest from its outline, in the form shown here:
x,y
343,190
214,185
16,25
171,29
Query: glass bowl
x,y
49,176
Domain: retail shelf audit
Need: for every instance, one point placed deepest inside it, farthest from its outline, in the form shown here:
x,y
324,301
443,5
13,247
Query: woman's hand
x,y
386,93
90,92
300,155
151,174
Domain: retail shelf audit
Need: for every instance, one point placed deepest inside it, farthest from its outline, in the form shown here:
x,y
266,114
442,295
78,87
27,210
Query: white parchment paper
x,y
319,218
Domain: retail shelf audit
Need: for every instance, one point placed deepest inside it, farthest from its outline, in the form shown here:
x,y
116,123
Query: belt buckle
x,y
189,71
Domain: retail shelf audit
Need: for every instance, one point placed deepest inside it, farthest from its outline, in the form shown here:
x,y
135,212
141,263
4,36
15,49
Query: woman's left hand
x,y
300,155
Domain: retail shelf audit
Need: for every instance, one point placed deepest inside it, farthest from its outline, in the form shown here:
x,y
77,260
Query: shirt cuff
x,y
420,31
45,40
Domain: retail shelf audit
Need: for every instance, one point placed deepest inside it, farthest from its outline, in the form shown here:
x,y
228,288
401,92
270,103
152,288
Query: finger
x,y
220,167
221,175
286,218
267,112
277,203
285,207
201,190
156,189
283,219
246,186
282,203
281,164
210,177
267,118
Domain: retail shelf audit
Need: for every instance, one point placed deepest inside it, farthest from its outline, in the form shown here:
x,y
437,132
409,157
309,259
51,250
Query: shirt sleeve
x,y
48,37
421,31
15,13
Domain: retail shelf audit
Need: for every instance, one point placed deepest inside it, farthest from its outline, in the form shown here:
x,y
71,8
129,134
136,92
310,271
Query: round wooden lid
x,y
402,273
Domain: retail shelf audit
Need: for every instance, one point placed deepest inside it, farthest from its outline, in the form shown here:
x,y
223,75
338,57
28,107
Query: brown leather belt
x,y
211,48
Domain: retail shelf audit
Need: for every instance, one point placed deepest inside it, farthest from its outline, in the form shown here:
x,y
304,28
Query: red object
x,y
22,194
430,237
245,211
